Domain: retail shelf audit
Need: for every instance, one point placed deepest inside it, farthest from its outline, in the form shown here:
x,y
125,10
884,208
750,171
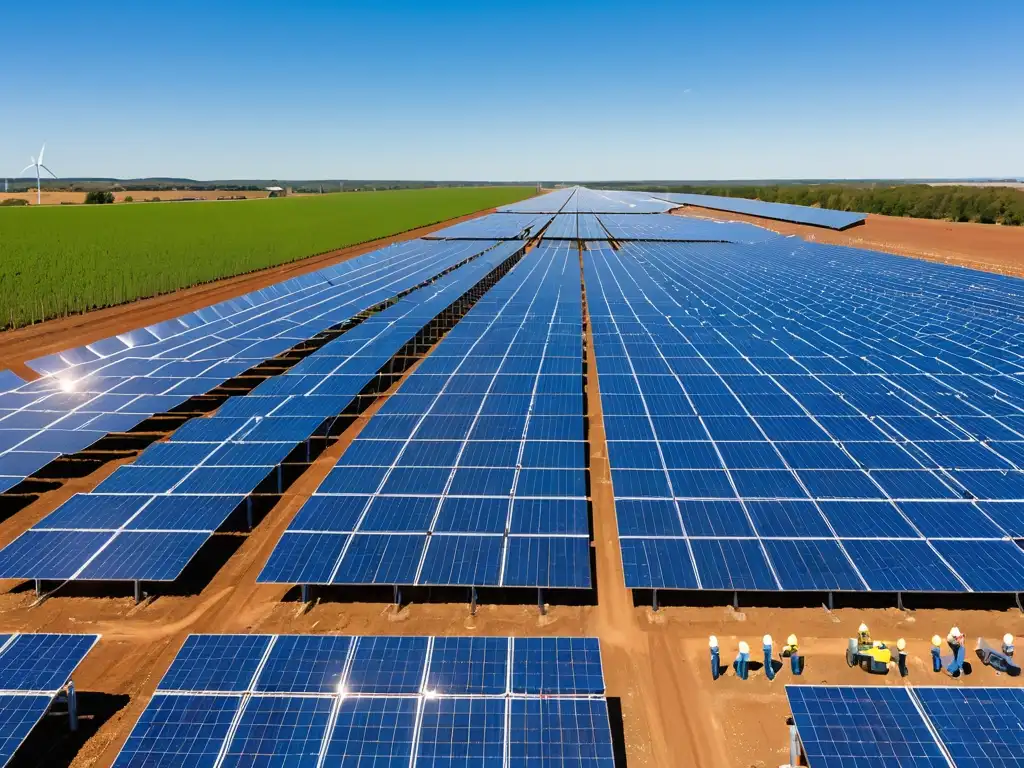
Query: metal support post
x,y
654,602
305,593
472,601
248,512
72,707
138,591
540,602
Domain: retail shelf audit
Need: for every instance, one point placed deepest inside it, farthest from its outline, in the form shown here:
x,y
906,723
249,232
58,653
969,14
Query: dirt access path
x,y
23,344
988,247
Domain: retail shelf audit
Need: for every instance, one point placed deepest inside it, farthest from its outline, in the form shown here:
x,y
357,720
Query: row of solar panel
x,y
909,726
34,668
147,520
799,214
462,478
739,461
113,385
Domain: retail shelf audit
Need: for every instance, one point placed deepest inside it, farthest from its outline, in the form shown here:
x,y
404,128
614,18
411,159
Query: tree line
x,y
988,205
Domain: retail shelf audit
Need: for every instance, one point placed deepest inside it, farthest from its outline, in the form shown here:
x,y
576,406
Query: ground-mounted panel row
x,y
473,473
798,417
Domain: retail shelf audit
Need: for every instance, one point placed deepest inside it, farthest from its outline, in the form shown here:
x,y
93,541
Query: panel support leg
x,y
472,601
72,707
794,747
654,600
138,591
248,512
899,601
305,593
1019,606
736,601
39,590
831,602
398,598
540,602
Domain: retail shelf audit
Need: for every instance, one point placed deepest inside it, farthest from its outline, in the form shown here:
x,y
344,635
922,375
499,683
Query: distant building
x,y
276,191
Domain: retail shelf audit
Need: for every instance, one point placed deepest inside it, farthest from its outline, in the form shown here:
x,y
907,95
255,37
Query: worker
x,y
936,653
1008,645
790,651
901,648
742,660
863,636
955,640
715,664
769,668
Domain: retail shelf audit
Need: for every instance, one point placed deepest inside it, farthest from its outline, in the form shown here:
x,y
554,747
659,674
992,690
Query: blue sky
x,y
521,91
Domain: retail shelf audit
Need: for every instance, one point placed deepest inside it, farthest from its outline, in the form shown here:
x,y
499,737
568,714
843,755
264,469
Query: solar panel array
x,y
662,226
909,726
116,383
795,416
496,226
551,202
336,700
616,201
473,472
9,380
148,519
34,668
572,226
799,214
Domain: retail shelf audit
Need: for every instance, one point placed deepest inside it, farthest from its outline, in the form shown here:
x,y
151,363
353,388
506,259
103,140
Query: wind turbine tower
x,y
38,165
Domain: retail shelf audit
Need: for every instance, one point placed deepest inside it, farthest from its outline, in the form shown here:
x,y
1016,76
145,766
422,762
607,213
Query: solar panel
x,y
34,668
497,226
799,416
800,214
920,725
117,383
474,472
335,699
147,520
661,226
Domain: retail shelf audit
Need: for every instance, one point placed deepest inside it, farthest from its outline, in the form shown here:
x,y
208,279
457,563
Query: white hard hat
x,y
712,642
955,632
766,640
862,628
936,641
791,640
901,644
1008,639
744,648
876,643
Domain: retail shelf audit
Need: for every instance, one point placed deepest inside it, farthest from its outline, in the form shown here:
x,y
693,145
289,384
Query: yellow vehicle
x,y
870,655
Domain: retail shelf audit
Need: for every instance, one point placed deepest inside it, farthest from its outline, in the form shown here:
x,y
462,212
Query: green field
x,y
56,261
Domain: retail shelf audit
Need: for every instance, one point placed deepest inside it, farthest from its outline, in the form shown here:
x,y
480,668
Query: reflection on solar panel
x,y
614,201
115,384
473,472
497,226
571,226
551,202
34,669
320,699
800,214
147,520
919,726
796,416
658,226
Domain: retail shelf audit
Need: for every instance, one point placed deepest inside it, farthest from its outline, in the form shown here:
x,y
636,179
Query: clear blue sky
x,y
524,90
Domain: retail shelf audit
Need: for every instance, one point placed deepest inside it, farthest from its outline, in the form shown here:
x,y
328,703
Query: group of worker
x,y
742,663
954,664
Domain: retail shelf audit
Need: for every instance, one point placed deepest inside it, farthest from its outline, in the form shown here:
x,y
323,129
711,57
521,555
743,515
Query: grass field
x,y
59,261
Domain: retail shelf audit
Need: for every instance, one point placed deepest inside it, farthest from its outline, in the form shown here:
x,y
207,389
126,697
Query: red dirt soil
x,y
988,247
655,663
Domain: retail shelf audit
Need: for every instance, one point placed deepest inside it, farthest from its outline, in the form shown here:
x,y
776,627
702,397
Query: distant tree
x,y
99,197
129,199
12,201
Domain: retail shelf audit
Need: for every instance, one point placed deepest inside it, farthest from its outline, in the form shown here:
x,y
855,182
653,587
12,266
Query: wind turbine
x,y
37,164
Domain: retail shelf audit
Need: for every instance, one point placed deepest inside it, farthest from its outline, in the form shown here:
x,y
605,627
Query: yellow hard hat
x,y
791,640
901,644
862,628
766,640
936,641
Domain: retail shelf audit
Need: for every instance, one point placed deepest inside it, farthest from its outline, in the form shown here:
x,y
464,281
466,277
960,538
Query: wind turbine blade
x,y
41,153
48,170
33,165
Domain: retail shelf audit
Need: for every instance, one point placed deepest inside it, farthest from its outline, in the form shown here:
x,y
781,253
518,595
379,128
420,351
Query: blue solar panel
x,y
980,727
216,663
305,664
800,214
388,665
180,730
468,665
462,732
556,666
18,716
841,726
373,732
560,732
290,728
